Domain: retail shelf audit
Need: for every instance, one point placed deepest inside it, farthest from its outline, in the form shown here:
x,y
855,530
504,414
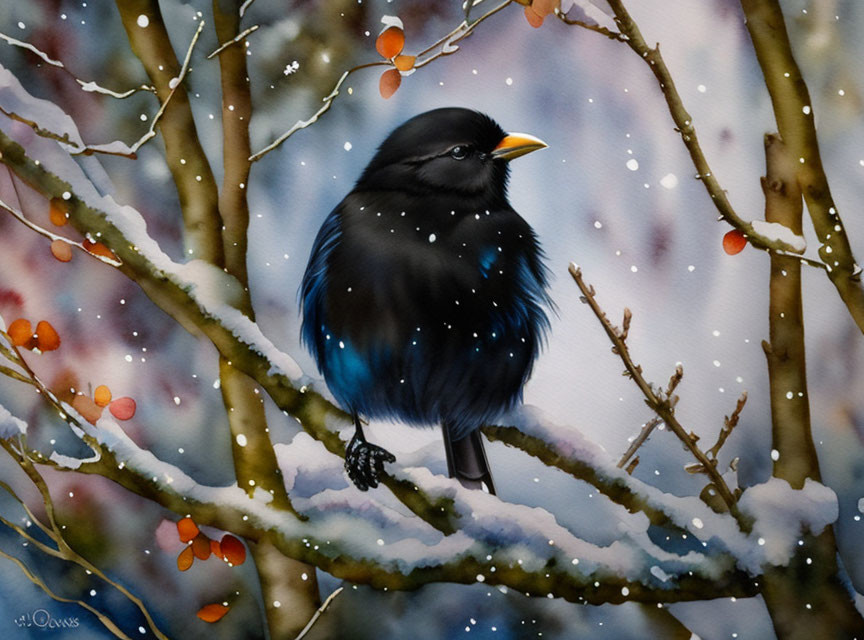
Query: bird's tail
x,y
466,461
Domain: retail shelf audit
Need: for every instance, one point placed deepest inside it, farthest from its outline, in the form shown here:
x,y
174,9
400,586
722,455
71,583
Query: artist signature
x,y
42,619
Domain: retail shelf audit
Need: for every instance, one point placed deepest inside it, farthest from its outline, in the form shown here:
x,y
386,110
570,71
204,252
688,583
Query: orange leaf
x,y
390,81
390,42
216,549
57,213
185,559
233,550
88,409
212,612
102,395
201,546
534,18
544,7
47,338
404,63
99,249
21,333
122,408
734,242
61,250
187,529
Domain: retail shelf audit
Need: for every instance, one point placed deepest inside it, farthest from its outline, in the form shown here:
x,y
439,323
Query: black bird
x,y
423,300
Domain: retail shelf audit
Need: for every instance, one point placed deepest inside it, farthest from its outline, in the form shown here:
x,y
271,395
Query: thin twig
x,y
104,619
18,215
175,82
112,148
661,406
684,126
612,35
245,6
240,36
90,87
318,613
446,45
647,428
729,423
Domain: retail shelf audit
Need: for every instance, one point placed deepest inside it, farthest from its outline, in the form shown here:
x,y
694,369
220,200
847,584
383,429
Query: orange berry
x,y
216,549
390,81
233,550
187,529
534,18
544,7
99,249
88,409
212,612
102,395
47,338
21,333
391,42
61,250
734,242
185,559
122,408
404,63
58,212
201,546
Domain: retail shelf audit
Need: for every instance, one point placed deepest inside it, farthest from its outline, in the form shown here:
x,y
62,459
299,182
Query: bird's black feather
x,y
424,296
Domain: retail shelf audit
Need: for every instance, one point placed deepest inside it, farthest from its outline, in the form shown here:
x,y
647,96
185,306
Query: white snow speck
x,y
509,82
633,164
775,455
697,522
21,25
669,181
347,146
598,224
241,440
66,195
806,110
701,88
173,82
432,237
143,21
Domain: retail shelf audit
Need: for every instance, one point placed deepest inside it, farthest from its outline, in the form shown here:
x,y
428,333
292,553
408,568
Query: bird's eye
x,y
459,153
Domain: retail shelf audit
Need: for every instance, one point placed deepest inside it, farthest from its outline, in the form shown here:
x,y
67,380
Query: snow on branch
x,y
513,545
90,87
442,47
49,121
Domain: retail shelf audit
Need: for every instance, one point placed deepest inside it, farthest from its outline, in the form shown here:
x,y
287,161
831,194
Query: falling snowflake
x,y
291,68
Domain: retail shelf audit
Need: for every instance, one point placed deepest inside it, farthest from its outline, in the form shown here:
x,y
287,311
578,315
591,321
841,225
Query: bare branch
x,y
647,428
729,423
239,37
90,87
445,45
659,405
796,122
684,125
318,613
612,35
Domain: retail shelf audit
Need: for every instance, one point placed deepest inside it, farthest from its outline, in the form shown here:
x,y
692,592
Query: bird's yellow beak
x,y
514,145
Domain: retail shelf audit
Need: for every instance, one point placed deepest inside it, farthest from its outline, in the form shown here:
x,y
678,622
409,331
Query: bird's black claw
x,y
364,463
